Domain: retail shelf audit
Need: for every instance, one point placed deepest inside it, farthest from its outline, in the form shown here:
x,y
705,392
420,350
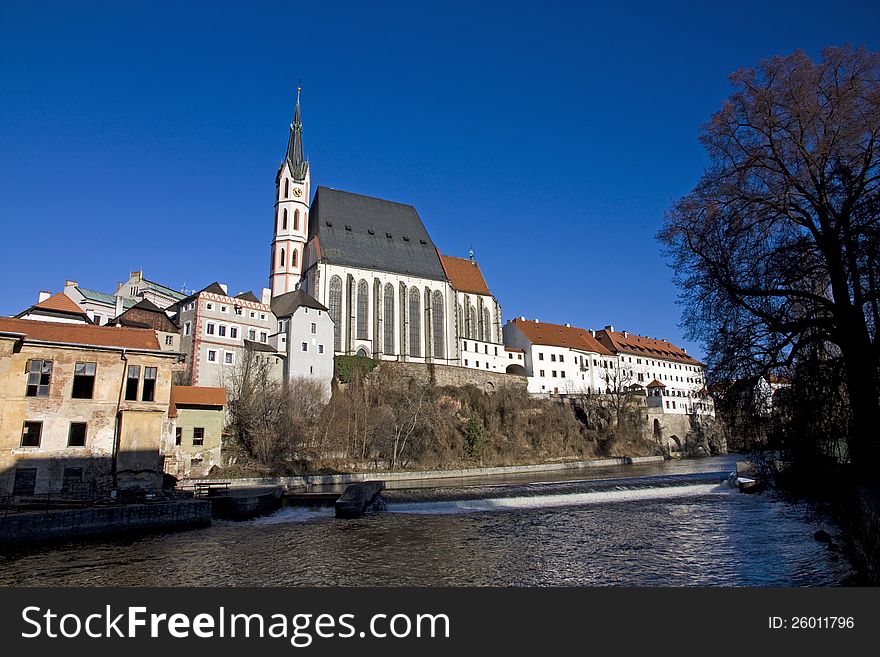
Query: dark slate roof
x,y
213,288
369,233
146,304
286,304
251,345
247,296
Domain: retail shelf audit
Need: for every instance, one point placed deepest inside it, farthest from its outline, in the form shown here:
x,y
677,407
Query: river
x,y
662,524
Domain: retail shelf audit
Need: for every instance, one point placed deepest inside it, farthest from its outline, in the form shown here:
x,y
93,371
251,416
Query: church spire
x,y
295,159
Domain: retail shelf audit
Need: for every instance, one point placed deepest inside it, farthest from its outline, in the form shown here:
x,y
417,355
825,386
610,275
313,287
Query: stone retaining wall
x,y
43,526
451,375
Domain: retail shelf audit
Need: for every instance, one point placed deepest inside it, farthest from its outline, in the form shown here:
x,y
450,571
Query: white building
x,y
101,306
558,358
675,381
308,337
217,331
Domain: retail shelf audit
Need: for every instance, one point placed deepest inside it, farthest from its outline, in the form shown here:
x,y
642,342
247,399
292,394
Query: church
x,y
390,292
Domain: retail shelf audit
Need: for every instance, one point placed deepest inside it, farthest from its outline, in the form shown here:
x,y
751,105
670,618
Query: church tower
x,y
291,213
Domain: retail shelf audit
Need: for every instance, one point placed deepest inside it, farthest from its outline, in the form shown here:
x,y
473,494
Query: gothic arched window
x,y
293,258
296,219
388,320
281,261
415,322
439,327
284,220
334,303
487,326
363,303
286,188
472,322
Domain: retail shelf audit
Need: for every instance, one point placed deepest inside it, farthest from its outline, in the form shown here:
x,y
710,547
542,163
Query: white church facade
x,y
390,293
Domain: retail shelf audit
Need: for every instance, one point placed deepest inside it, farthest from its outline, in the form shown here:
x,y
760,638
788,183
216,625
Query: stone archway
x,y
677,442
658,432
362,352
516,369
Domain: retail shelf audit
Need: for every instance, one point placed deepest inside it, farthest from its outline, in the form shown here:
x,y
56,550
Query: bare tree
x,y
776,248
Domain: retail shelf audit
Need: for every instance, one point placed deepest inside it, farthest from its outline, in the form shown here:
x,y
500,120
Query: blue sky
x,y
549,136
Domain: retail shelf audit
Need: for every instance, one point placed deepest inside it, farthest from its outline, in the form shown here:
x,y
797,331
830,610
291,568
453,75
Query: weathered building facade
x,y
82,407
194,441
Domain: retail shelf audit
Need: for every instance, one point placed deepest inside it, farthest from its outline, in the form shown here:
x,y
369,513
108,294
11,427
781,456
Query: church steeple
x,y
291,213
295,160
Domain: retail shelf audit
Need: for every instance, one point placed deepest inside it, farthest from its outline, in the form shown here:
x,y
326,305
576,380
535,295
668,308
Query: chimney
x,y
43,296
522,319
625,334
536,321
118,305
609,328
137,275
265,296
118,285
593,332
225,288
567,325
71,284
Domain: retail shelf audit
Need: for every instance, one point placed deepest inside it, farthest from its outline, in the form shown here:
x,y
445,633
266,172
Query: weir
x,y
522,496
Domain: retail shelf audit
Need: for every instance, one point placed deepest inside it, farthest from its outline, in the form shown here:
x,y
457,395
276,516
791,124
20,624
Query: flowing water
x,y
672,524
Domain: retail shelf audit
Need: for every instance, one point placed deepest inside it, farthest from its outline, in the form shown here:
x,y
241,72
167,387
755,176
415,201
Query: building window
x,y
233,332
415,322
561,358
437,318
472,322
132,381
229,358
562,374
83,380
210,328
284,220
335,308
187,327
465,362
253,314
295,220
388,320
30,434
540,356
98,319
293,258
221,331
264,337
39,376
224,309
286,188
169,340
212,355
252,334
304,346
542,372
313,328
554,373
281,260
199,436
363,300
486,328
238,310
149,391
209,306
76,437
320,349
263,316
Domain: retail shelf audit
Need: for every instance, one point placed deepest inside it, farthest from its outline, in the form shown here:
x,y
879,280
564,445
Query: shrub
x,y
348,367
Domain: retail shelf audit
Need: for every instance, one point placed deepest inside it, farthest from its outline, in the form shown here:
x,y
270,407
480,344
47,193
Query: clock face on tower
x,y
297,192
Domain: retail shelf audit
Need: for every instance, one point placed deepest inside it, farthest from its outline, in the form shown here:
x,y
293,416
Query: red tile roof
x,y
195,396
656,384
639,345
81,334
58,303
557,335
464,275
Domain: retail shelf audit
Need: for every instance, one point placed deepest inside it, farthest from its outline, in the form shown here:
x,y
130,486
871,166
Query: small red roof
x,y
655,384
198,396
81,334
465,275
